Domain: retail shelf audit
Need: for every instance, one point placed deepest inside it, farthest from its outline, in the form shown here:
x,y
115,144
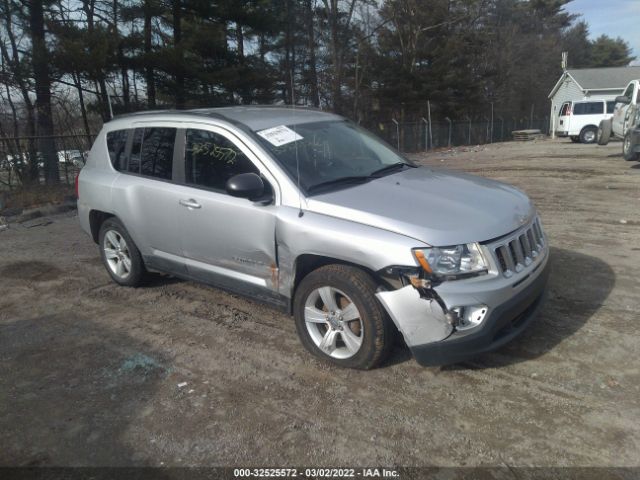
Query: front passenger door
x,y
227,241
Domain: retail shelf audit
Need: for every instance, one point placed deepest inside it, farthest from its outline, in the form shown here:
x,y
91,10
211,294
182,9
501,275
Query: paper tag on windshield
x,y
280,135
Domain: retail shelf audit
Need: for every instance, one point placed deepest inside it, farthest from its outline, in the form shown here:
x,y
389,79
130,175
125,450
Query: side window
x,y
588,108
156,157
611,106
563,110
628,92
136,147
116,145
211,160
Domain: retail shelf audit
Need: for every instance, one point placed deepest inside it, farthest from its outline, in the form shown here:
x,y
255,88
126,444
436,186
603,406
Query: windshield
x,y
329,153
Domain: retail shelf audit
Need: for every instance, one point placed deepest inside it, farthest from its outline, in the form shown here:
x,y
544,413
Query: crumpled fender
x,y
420,320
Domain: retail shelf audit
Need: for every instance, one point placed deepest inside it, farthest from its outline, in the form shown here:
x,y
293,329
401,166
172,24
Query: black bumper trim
x,y
505,323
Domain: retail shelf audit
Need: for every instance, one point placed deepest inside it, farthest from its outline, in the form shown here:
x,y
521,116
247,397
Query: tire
x,y
120,255
575,139
370,329
604,132
589,135
627,149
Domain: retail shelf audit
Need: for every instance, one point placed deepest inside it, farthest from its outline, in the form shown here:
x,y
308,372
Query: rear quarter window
x,y
156,157
116,145
588,108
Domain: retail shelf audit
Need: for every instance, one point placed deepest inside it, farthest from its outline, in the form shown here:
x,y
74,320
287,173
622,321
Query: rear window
x,y
563,110
588,108
116,145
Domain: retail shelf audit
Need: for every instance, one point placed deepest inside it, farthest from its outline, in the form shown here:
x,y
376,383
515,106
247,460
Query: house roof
x,y
610,78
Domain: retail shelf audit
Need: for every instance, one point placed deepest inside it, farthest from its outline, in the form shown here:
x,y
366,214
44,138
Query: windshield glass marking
x,y
332,154
280,135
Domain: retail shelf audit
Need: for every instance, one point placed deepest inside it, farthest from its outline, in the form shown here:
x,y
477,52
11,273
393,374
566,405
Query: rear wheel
x,y
588,135
339,319
604,132
120,255
628,151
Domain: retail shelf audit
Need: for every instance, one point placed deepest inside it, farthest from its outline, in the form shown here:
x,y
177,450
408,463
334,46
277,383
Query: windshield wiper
x,y
390,168
343,181
354,180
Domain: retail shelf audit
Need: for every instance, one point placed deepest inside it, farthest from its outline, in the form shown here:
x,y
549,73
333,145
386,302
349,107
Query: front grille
x,y
516,252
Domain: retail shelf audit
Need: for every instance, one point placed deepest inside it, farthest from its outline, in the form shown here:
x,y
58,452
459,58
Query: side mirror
x,y
245,185
623,99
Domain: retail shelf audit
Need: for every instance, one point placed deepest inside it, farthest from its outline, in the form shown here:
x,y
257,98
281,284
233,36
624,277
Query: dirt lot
x,y
90,372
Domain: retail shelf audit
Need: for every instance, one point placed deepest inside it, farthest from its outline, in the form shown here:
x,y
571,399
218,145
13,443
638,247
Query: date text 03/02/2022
x,y
316,472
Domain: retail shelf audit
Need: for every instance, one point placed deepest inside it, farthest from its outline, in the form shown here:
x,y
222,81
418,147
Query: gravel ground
x,y
176,373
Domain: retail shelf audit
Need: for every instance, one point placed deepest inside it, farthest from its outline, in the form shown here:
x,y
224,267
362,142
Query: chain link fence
x,y
420,136
22,161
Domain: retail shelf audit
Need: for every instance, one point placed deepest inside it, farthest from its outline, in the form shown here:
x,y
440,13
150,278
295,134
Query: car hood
x,y
435,206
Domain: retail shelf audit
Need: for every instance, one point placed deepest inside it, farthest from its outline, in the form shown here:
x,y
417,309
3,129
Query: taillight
x,y
77,190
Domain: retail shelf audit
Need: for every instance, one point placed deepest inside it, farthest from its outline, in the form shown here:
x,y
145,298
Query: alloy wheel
x,y
117,254
333,322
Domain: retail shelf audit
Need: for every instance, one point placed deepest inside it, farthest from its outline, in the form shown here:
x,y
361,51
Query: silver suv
x,y
308,212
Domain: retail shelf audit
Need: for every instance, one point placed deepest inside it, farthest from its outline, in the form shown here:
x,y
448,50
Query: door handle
x,y
191,203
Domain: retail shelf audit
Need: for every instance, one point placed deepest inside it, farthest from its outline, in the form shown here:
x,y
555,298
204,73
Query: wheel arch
x,y
590,127
587,127
306,263
96,219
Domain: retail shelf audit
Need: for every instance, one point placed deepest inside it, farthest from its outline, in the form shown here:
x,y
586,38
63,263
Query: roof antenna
x,y
295,145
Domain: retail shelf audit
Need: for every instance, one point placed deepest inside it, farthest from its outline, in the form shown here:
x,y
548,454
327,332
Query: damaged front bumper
x,y
433,338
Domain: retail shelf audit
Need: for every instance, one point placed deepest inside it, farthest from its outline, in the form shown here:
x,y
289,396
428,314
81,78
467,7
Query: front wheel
x,y
339,319
628,151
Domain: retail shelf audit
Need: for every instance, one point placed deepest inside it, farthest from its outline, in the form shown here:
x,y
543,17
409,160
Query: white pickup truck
x,y
623,114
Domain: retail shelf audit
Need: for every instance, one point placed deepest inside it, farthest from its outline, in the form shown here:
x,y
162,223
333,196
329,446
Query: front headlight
x,y
452,262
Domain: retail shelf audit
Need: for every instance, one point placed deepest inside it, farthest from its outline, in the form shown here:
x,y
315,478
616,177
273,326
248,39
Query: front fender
x,y
344,240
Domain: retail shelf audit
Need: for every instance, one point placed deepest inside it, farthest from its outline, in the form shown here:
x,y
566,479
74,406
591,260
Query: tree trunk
x,y
124,71
83,108
104,97
311,45
40,59
336,79
288,44
179,65
149,73
240,42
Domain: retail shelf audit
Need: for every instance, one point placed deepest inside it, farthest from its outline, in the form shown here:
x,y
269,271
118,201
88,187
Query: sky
x,y
616,18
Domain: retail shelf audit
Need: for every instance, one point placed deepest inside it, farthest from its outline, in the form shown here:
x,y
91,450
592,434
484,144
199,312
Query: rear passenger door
x,y
145,198
227,241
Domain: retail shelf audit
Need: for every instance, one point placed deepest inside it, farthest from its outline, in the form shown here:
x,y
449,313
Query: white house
x,y
584,83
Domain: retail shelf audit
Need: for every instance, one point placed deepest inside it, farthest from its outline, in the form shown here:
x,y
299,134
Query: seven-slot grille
x,y
518,251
